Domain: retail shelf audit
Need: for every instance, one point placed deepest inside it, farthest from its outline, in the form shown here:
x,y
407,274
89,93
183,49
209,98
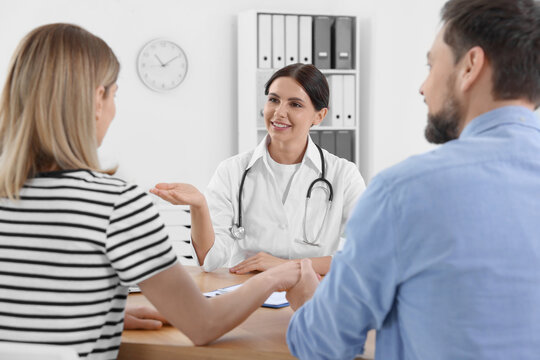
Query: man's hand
x,y
143,318
305,287
260,262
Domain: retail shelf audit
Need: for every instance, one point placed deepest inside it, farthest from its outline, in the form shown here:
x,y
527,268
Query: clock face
x,y
162,65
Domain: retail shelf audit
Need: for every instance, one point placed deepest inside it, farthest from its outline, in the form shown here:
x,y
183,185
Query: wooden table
x,y
261,336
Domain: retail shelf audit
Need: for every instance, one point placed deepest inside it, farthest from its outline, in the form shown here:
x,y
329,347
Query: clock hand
x,y
161,62
177,56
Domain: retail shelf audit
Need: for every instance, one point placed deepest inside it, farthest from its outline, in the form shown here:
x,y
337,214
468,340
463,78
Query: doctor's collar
x,y
312,154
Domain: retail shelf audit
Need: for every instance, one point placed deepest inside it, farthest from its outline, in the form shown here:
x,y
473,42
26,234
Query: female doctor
x,y
286,199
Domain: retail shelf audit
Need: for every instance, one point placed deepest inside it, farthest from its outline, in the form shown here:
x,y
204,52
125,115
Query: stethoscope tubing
x,y
237,229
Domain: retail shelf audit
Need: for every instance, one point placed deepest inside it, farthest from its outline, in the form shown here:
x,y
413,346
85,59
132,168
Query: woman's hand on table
x,y
260,262
143,318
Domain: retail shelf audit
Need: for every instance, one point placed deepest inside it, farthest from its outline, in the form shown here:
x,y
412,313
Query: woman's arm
x,y
203,320
202,231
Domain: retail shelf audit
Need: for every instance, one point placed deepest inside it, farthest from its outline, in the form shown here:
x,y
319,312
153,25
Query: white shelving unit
x,y
251,80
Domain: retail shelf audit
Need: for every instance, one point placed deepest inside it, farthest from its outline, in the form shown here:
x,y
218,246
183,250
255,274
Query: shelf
x,y
252,78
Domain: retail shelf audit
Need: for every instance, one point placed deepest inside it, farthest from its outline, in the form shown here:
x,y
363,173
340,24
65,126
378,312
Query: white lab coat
x,y
271,226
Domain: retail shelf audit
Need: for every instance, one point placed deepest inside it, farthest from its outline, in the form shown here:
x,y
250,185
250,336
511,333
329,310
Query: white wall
x,y
182,136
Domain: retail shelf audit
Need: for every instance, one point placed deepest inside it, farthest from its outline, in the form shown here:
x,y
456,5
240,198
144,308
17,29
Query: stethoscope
x,y
239,232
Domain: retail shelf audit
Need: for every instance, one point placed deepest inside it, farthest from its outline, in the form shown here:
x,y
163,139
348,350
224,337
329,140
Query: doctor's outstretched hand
x,y
179,194
260,262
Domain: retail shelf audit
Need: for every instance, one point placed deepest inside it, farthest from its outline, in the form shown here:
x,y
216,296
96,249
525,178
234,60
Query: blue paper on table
x,y
276,300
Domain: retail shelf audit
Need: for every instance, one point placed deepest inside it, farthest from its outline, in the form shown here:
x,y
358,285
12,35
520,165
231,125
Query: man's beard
x,y
444,125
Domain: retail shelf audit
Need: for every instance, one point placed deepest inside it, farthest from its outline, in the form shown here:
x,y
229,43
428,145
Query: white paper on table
x,y
276,299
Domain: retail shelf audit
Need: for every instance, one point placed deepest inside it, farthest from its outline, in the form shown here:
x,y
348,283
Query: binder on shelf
x,y
349,99
315,136
342,43
344,144
265,41
305,39
336,100
262,78
328,141
322,42
291,39
278,41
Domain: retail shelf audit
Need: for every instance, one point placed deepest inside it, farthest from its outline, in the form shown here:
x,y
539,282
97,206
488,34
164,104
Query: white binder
x,y
278,41
265,41
336,100
291,39
305,39
349,98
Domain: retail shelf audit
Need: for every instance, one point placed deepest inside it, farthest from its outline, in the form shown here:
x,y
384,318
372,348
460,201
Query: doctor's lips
x,y
280,125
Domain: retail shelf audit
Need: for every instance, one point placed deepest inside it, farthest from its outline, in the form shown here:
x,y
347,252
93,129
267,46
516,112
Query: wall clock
x,y
162,65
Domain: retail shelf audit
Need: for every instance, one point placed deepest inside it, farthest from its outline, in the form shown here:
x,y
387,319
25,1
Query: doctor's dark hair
x,y
310,78
509,33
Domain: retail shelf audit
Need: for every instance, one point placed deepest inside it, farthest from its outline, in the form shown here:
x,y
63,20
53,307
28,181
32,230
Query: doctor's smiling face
x,y
289,112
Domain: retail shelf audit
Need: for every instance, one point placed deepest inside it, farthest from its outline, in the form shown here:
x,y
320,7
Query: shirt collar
x,y
504,115
312,154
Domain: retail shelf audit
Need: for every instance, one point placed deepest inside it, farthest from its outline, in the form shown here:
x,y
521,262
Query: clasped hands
x,y
298,294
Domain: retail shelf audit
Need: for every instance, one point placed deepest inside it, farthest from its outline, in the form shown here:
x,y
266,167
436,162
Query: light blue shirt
x,y
442,255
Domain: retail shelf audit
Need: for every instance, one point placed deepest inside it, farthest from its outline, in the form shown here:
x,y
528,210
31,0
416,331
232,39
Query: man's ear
x,y
471,66
321,114
99,97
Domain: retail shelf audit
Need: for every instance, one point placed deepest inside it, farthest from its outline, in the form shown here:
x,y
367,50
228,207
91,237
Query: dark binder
x,y
315,136
344,145
322,41
328,141
342,43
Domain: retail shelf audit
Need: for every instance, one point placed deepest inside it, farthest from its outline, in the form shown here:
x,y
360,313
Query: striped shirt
x,y
69,249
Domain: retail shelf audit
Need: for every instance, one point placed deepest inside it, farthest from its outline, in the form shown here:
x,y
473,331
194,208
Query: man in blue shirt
x,y
443,250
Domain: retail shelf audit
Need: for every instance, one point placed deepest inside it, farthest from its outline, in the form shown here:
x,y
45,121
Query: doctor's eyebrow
x,y
295,99
290,99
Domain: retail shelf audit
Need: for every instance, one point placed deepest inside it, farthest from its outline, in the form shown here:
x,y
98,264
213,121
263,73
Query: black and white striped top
x,y
68,250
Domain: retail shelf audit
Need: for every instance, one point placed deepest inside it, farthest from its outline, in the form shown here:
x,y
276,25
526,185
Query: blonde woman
x,y
72,237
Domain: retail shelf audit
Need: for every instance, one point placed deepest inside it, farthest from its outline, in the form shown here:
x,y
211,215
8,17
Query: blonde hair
x,y
47,108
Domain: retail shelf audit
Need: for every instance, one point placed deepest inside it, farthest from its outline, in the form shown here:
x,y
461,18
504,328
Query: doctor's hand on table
x,y
305,287
143,318
260,262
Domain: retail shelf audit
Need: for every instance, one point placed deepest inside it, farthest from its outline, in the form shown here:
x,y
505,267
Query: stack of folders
x,y
325,41
337,142
341,112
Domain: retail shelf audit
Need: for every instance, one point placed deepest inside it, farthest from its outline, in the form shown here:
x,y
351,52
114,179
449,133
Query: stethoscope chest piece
x,y
238,232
